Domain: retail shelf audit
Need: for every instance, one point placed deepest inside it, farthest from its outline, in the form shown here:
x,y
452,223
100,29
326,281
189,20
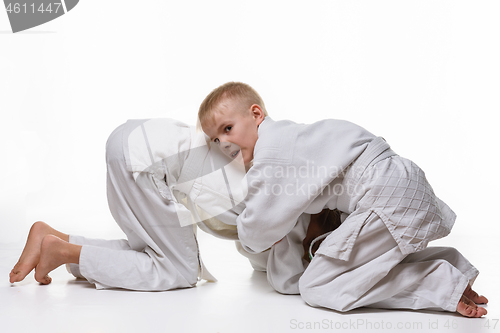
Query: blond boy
x,y
378,257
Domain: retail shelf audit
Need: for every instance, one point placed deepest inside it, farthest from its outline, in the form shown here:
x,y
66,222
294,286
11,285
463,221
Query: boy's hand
x,y
321,223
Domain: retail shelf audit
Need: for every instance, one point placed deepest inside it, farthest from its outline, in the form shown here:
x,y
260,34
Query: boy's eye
x,y
228,128
216,141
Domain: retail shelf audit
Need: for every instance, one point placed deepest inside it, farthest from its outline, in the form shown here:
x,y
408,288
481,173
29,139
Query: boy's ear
x,y
257,113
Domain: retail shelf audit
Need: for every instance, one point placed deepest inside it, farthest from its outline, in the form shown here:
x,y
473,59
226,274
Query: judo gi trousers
x,y
158,254
378,275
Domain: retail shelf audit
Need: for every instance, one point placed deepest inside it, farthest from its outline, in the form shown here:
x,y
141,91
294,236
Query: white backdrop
x,y
422,74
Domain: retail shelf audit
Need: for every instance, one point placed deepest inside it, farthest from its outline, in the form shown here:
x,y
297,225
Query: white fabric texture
x,y
386,196
396,190
379,275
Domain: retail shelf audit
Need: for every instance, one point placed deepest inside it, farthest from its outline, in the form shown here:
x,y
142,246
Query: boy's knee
x,y
286,287
322,294
307,291
316,296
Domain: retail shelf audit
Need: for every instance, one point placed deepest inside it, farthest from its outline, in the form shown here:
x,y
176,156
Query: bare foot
x,y
473,296
468,308
53,253
31,253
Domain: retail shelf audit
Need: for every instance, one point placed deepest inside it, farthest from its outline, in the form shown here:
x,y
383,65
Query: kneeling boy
x,y
378,257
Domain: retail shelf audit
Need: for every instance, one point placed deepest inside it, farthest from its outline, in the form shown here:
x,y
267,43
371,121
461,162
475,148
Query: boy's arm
x,y
273,206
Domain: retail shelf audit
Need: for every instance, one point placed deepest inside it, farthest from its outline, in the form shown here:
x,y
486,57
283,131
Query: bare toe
x,y
473,296
481,311
31,252
16,275
468,308
44,280
23,268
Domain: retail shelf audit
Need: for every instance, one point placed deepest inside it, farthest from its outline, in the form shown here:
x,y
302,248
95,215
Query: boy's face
x,y
235,128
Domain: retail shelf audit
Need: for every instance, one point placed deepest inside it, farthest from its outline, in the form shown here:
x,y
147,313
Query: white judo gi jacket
x,y
301,168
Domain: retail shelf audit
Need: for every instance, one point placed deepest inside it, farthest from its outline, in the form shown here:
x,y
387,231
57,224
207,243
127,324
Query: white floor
x,y
241,301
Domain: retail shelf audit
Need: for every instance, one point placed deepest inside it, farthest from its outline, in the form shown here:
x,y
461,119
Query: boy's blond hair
x,y
233,90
